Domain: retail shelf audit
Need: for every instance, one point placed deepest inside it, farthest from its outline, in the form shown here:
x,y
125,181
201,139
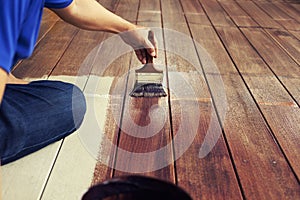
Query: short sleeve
x,y
57,3
19,25
10,12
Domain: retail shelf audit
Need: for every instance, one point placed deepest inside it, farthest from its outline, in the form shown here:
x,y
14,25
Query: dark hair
x,y
134,188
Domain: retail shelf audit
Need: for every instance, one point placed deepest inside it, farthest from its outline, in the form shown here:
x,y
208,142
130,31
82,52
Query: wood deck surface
x,y
229,128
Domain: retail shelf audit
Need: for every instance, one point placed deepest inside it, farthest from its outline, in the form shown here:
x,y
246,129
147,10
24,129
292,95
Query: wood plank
x,y
29,174
237,14
269,94
149,16
216,14
48,52
149,5
192,7
215,177
295,5
277,59
288,42
110,5
258,15
285,119
288,9
296,34
48,21
251,145
194,12
74,62
170,15
149,11
279,16
145,135
104,168
117,70
126,11
152,155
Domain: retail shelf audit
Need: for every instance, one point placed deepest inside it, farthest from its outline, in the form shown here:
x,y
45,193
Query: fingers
x,y
153,46
149,46
141,55
150,49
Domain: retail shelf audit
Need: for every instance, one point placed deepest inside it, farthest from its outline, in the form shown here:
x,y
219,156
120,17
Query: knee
x,y
72,103
78,106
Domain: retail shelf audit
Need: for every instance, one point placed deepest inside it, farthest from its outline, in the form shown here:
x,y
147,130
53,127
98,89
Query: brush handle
x,y
149,58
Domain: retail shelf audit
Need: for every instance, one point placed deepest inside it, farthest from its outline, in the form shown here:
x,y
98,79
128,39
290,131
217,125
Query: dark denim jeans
x,y
37,114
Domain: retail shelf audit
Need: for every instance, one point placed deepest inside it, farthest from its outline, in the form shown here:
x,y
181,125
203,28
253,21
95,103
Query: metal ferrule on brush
x,y
149,77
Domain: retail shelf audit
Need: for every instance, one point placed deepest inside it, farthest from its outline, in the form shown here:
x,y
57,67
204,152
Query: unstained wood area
x,y
229,128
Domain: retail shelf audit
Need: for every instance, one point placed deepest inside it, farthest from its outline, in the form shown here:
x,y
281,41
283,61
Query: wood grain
x,y
252,75
104,168
216,13
194,116
288,9
269,94
29,174
118,69
48,52
258,15
237,14
48,21
170,15
128,12
194,12
251,145
145,138
288,42
278,60
296,34
279,16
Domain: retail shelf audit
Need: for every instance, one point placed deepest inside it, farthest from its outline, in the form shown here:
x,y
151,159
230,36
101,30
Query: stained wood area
x,y
228,129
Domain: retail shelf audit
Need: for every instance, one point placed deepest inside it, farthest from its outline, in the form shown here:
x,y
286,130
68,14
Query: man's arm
x,y
90,15
3,80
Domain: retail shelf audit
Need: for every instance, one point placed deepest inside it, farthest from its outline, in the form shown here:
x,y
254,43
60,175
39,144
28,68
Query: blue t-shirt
x,y
19,26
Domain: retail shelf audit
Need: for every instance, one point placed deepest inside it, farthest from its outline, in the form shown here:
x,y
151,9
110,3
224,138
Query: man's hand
x,y
142,40
3,80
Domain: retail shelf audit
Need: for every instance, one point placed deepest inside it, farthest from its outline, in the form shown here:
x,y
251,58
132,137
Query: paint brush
x,y
148,82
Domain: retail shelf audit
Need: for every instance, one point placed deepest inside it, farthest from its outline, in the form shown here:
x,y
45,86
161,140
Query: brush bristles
x,y
148,90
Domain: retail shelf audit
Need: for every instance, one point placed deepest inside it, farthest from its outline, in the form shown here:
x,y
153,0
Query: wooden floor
x,y
229,128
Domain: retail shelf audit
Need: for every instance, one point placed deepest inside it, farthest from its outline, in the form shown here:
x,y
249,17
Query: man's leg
x,y
37,114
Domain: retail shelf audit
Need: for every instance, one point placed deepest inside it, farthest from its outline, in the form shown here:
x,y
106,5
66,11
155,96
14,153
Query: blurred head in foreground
x,y
135,188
